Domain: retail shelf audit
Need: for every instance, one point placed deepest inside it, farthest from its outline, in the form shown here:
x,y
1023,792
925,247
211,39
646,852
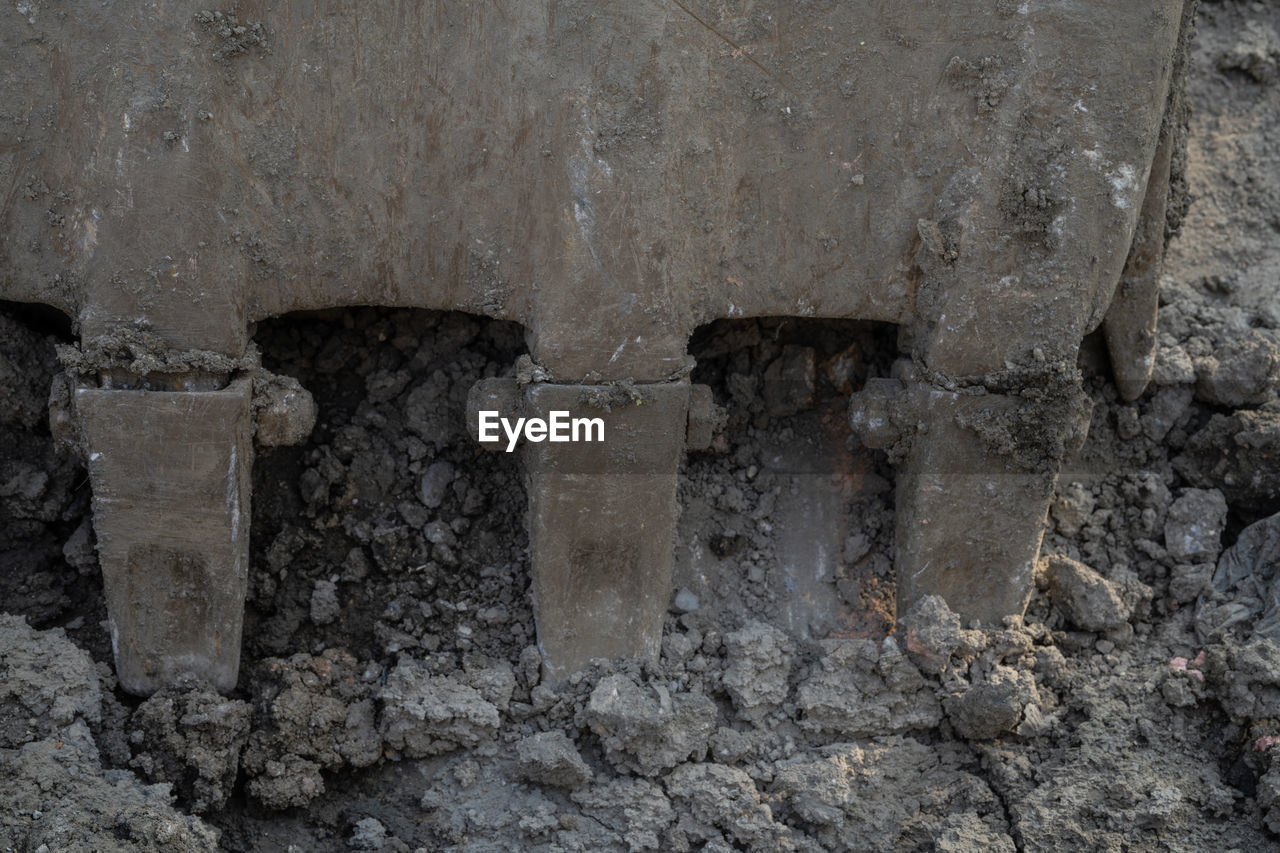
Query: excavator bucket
x,y
989,176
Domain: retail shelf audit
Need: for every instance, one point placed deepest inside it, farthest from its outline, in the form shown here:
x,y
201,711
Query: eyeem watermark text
x,y
559,426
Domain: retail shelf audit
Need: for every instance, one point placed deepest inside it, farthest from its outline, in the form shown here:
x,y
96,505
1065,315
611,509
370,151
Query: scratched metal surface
x,y
610,174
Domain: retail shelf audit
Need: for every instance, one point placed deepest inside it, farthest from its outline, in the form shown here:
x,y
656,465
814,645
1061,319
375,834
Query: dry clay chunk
x,y
550,758
645,729
46,682
1088,600
424,714
1193,530
862,688
759,665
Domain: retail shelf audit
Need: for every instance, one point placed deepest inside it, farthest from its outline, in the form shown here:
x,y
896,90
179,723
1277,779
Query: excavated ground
x,y
390,696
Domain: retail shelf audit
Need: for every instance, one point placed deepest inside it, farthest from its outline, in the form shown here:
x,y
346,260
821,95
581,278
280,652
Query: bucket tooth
x,y
170,472
975,477
1130,323
602,515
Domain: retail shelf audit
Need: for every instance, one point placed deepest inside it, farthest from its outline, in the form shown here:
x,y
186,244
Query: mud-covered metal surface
x,y
630,169
612,176
171,517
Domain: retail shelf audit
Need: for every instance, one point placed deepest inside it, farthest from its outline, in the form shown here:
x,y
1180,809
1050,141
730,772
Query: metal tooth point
x,y
602,514
171,513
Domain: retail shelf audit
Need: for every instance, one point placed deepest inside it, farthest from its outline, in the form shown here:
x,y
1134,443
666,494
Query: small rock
x,y
324,602
439,533
1089,600
685,602
550,758
1168,405
789,381
676,648
1243,372
435,481
497,615
283,411
1193,528
369,834
414,513
993,705
79,550
933,634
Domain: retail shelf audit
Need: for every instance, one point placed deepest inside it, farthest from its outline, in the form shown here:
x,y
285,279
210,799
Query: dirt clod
x,y
191,738
550,758
46,683
1194,525
647,729
861,688
1089,600
425,714
759,667
1242,372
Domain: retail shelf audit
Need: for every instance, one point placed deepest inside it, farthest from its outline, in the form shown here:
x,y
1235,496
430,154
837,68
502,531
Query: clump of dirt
x,y
44,500
233,36
141,352
190,737
310,714
56,791
784,499
48,683
389,529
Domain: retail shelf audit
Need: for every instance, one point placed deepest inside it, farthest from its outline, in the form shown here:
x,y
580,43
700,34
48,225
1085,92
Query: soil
x,y
391,696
